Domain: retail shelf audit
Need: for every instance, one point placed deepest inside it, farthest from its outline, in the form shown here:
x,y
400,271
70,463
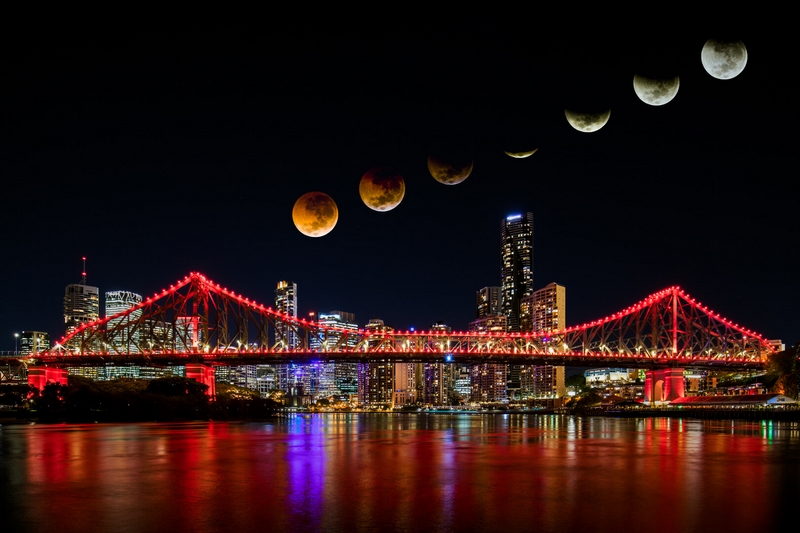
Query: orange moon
x,y
451,171
315,214
382,189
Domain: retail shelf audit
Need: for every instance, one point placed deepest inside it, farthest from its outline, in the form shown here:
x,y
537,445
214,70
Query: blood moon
x,y
382,189
449,169
315,214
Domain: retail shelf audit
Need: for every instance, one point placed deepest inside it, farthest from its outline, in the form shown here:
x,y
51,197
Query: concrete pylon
x,y
39,376
203,374
663,385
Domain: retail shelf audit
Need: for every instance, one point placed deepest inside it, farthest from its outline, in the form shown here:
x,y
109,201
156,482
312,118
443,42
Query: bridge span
x,y
198,323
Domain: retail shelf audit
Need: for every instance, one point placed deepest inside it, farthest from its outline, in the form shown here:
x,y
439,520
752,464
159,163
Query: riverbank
x,y
793,415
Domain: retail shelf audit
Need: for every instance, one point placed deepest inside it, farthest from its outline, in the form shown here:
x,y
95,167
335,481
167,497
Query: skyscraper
x,y
337,378
286,303
81,305
545,310
286,335
516,254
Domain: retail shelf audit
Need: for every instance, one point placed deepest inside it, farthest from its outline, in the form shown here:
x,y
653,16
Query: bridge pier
x,y
39,376
663,385
203,374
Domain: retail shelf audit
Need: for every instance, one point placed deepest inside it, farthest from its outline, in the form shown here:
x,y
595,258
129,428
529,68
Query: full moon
x,y
724,59
587,122
520,155
382,189
315,214
451,171
655,92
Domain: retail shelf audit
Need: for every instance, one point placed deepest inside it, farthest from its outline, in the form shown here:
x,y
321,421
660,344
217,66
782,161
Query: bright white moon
x,y
724,60
587,122
655,92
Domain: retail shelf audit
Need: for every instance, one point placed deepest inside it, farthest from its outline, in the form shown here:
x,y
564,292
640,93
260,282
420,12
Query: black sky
x,y
155,153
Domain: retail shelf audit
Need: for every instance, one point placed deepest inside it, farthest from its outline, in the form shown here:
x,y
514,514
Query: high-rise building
x,y
516,254
386,383
436,380
339,379
31,342
488,381
516,278
545,310
123,333
286,303
81,305
488,302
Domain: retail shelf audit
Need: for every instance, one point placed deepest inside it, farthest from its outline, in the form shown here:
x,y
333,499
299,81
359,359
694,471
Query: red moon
x,y
450,171
315,214
382,189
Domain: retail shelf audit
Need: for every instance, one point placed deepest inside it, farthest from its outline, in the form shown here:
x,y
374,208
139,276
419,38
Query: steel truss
x,y
197,320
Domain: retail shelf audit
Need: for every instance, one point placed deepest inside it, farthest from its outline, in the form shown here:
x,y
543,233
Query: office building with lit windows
x,y
124,331
31,342
544,311
286,303
386,384
516,258
337,379
488,381
516,254
81,306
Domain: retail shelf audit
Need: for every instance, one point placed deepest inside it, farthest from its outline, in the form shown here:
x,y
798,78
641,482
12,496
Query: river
x,y
402,473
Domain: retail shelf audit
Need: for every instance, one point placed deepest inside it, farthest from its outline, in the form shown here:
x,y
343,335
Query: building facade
x,y
81,306
516,254
122,333
31,342
545,310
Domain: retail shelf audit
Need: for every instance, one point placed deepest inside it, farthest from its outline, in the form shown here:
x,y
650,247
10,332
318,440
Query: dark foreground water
x,y
405,472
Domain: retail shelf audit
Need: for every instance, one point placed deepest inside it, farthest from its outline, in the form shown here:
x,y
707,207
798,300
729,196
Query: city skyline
x,y
157,159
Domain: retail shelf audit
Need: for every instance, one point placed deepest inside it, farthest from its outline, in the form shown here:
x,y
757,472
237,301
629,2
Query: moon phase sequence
x,y
655,92
315,214
587,122
449,170
382,189
724,59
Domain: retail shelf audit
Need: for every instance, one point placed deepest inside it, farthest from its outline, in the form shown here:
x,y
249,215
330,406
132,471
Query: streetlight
x,y
16,343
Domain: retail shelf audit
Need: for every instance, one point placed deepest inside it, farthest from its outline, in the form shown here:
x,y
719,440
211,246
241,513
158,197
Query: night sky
x,y
156,153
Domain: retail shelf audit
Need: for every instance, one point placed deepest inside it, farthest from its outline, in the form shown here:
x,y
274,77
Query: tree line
x,y
85,400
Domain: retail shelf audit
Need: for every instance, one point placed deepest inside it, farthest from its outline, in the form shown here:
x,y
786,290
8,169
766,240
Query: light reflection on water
x,y
403,472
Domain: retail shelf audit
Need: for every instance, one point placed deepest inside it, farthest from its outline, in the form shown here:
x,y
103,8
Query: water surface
x,y
404,473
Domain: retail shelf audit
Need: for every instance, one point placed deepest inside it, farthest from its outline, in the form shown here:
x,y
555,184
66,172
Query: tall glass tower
x,y
516,254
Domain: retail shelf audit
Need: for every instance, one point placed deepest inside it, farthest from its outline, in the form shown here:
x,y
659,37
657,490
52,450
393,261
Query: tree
x,y
783,373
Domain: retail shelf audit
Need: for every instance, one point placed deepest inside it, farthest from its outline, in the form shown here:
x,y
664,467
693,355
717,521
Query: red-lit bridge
x,y
199,323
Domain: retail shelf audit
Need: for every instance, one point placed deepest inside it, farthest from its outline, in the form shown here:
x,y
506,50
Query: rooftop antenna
x,y
83,274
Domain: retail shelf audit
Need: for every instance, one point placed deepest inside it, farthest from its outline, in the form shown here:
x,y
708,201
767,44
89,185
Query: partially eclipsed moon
x,y
315,214
450,171
520,155
382,189
724,59
587,122
655,92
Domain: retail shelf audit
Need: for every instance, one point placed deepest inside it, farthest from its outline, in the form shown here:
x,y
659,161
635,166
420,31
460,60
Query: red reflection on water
x,y
404,473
